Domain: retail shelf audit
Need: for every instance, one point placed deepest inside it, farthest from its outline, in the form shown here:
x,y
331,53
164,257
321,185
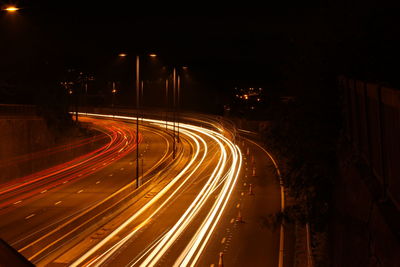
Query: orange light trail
x,y
30,186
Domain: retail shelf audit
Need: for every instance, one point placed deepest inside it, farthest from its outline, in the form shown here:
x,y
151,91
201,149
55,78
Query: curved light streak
x,y
225,174
110,251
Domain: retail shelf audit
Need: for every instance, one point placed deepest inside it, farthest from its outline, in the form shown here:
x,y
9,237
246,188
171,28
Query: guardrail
x,y
17,110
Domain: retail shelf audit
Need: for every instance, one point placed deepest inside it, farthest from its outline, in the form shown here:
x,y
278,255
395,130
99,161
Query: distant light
x,y
114,91
11,9
70,92
258,100
246,97
251,107
152,55
185,67
122,55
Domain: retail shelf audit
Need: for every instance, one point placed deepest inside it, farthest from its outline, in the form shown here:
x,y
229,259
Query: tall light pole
x,y
138,89
137,120
178,102
174,108
113,91
166,104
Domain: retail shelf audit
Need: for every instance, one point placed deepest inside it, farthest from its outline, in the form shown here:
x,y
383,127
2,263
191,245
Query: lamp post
x,y
138,89
178,103
113,91
137,120
174,111
166,104
11,9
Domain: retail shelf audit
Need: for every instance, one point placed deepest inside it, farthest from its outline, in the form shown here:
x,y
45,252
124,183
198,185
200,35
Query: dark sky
x,y
225,45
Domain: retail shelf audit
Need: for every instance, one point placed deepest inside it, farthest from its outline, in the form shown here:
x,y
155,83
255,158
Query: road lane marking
x,y
122,169
19,201
110,174
232,220
97,182
223,240
212,265
44,191
58,202
30,216
80,191
238,205
65,182
244,184
242,193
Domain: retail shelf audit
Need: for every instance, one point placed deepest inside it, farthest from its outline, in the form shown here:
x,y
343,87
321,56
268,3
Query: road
x,y
55,196
189,210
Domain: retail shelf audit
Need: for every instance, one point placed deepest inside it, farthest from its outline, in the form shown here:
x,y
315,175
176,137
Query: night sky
x,y
279,47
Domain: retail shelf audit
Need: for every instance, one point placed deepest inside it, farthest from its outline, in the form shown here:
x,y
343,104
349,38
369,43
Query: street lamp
x,y
113,91
137,110
11,9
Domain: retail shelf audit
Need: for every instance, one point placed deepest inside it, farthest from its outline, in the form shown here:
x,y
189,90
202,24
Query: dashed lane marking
x,y
30,216
58,202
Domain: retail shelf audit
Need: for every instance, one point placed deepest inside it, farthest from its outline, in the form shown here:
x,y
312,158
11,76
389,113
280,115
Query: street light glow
x,y
152,55
11,9
122,55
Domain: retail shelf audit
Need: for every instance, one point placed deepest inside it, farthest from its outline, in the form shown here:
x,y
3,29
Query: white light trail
x,y
225,174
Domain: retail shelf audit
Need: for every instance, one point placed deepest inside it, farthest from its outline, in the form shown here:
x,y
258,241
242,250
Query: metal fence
x,y
372,124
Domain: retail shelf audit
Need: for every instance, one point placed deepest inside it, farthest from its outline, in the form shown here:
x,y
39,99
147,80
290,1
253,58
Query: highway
x,y
186,212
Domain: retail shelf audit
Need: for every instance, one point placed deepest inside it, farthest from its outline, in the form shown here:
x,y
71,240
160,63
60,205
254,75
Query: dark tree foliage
x,y
303,136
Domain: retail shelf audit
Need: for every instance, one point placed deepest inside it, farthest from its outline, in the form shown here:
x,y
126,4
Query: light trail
x,y
225,174
109,252
122,141
86,211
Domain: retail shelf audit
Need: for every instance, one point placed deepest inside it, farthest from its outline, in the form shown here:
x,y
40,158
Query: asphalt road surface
x,y
185,213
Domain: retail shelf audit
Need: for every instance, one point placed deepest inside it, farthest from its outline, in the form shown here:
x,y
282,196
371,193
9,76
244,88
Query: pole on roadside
x,y
178,103
174,108
166,104
137,120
